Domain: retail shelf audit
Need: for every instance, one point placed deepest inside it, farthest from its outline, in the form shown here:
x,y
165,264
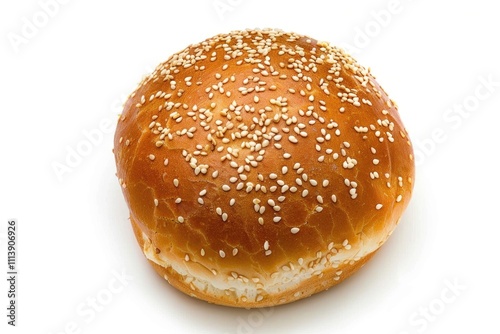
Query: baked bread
x,y
261,167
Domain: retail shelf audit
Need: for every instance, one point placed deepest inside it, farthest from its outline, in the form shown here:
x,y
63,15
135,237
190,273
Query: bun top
x,y
259,157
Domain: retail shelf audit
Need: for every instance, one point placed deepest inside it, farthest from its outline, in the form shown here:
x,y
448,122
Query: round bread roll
x,y
261,167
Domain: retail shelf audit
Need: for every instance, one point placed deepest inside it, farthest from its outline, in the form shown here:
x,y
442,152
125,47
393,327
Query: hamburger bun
x,y
261,167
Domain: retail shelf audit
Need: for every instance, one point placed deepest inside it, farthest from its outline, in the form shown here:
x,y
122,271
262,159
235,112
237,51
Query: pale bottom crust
x,y
212,294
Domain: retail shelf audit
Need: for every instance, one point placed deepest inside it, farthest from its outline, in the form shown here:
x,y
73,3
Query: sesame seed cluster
x,y
261,167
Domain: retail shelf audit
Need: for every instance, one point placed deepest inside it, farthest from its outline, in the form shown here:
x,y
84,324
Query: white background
x,y
69,76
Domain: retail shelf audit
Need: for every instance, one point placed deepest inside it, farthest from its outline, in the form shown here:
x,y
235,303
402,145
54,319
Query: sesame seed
x,y
180,219
266,245
218,210
176,183
295,230
202,252
376,161
156,201
224,217
277,219
400,197
151,157
222,254
232,201
178,200
200,201
235,251
292,139
284,170
225,187
326,183
165,162
334,198
378,206
319,198
305,192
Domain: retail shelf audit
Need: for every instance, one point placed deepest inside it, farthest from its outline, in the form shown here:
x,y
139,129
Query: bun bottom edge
x,y
304,289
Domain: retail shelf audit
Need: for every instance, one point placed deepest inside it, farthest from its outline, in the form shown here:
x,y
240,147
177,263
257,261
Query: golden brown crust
x,y
261,167
313,285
